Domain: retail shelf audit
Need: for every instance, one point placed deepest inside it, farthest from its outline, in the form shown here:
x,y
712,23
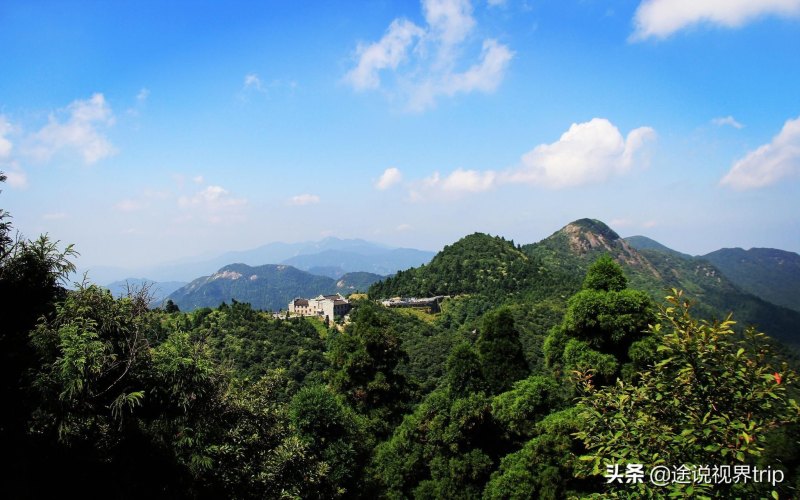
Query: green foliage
x,y
253,343
446,448
545,466
464,373
500,351
710,400
335,435
364,367
605,275
603,328
526,403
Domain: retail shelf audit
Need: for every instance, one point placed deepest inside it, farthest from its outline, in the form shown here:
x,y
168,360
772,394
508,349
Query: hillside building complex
x,y
325,306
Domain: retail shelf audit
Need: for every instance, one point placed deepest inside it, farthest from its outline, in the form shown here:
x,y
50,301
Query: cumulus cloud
x,y
662,18
80,132
425,60
304,199
769,163
727,120
589,152
454,185
389,178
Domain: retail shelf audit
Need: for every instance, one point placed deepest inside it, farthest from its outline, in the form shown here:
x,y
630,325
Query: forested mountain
x,y
656,271
268,287
553,268
476,264
769,274
773,275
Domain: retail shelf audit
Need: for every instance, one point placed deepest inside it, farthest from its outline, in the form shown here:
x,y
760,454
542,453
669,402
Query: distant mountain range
x,y
268,287
331,257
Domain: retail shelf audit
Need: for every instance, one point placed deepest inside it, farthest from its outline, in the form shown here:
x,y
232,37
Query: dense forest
x,y
539,378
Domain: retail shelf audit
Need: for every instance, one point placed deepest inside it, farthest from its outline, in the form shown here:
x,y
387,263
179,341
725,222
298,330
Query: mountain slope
x,y
771,274
579,243
265,287
476,264
644,243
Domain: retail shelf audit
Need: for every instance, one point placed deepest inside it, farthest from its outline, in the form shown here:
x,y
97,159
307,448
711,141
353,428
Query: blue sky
x,y
146,132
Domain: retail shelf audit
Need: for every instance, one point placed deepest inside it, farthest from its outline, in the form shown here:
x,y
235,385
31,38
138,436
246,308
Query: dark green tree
x,y
500,351
171,307
605,275
464,373
604,327
364,362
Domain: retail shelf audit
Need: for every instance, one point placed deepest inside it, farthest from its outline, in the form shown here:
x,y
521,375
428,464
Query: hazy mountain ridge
x,y
771,274
354,255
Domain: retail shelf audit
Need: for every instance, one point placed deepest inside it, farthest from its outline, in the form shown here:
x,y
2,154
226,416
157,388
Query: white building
x,y
325,306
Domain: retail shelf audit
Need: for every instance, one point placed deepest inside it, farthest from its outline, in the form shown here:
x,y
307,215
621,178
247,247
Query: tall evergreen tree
x,y
500,351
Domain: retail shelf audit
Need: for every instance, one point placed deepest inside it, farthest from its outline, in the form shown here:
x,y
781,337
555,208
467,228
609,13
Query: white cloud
x,y
304,199
198,179
727,120
403,227
80,132
662,18
456,184
588,152
425,60
389,178
389,52
770,162
484,76
212,198
54,216
448,20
